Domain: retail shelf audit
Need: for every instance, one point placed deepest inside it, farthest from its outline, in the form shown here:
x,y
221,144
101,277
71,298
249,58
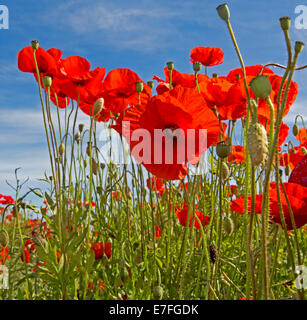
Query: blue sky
x,y
141,35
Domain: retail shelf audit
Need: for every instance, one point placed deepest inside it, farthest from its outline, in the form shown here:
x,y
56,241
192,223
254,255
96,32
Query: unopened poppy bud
x,y
304,151
89,149
158,293
81,127
261,86
170,65
295,130
94,167
150,84
196,66
77,136
285,23
85,163
238,76
223,12
98,106
257,143
287,170
228,226
139,86
225,173
299,46
47,82
214,75
61,148
223,149
4,238
99,189
35,44
102,166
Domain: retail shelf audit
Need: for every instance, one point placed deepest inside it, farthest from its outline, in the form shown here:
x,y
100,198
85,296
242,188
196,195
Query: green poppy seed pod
x,y
170,65
223,149
4,238
139,86
304,151
223,12
299,46
158,293
99,189
295,130
261,86
225,171
94,167
81,127
238,76
150,84
61,148
98,105
287,170
285,23
47,82
102,166
228,226
214,75
213,253
257,143
196,66
89,149
124,275
34,44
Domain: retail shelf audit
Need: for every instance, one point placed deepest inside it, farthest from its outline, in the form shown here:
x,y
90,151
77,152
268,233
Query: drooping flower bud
x,y
196,66
150,84
124,275
34,44
98,106
61,149
170,65
287,170
158,293
261,86
4,238
223,149
295,130
285,23
257,143
139,86
47,82
214,75
299,46
228,226
213,253
94,167
223,12
225,173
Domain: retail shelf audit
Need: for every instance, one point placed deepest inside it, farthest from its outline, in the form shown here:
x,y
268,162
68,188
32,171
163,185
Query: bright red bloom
x,y
297,196
46,62
237,154
251,71
101,248
182,215
233,191
182,109
158,232
5,200
207,56
155,184
4,255
91,285
25,255
293,157
302,135
299,173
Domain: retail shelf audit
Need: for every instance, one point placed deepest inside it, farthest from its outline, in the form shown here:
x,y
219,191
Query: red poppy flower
x,y
293,156
101,248
158,232
299,173
251,71
233,191
180,108
182,215
4,255
237,154
155,184
6,199
302,135
25,256
207,56
46,63
297,196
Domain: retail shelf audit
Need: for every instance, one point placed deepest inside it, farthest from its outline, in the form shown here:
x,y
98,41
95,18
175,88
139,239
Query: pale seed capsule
x,y
158,293
257,143
225,171
4,238
98,106
223,149
228,226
